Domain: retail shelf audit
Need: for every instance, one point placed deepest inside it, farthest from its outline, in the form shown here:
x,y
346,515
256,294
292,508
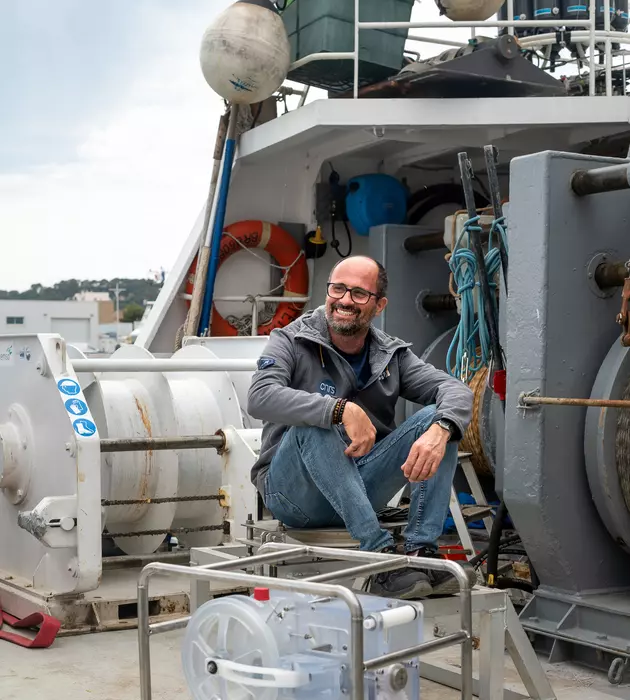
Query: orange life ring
x,y
283,248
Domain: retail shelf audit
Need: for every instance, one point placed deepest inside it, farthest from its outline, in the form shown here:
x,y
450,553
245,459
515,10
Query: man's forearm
x,y
273,403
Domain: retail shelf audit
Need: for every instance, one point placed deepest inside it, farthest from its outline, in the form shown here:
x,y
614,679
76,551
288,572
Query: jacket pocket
x,y
285,510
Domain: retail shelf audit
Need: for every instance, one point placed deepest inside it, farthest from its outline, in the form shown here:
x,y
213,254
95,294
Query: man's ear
x,y
380,305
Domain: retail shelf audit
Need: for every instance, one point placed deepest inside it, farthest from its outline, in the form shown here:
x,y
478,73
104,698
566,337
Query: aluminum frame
x,y
274,552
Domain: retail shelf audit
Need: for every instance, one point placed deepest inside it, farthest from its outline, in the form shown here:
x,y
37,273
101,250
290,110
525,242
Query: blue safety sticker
x,y
265,362
84,427
69,387
76,407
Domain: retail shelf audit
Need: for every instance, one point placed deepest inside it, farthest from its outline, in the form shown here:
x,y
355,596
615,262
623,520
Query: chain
x,y
172,531
143,501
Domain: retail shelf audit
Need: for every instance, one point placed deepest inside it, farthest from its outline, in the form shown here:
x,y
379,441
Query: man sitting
x,y
326,389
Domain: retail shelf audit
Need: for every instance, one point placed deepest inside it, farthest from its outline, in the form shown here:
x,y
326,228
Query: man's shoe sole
x,y
421,589
450,586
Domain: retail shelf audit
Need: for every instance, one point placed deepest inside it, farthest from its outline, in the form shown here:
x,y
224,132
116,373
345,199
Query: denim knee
x,y
304,435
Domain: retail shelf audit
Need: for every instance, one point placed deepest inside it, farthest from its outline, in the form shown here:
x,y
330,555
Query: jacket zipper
x,y
347,366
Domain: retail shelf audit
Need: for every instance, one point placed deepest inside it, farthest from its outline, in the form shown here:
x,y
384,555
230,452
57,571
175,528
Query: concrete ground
x,y
105,667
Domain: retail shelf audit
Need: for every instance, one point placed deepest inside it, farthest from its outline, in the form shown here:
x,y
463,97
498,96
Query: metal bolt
x,y
399,677
20,493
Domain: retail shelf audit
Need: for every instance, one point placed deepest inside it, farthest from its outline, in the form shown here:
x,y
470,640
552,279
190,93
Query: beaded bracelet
x,y
338,411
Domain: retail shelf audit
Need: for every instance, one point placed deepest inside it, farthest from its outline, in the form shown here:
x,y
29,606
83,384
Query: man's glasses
x,y
358,295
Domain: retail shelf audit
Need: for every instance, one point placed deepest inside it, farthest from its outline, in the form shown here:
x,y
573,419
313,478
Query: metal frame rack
x,y
589,35
272,553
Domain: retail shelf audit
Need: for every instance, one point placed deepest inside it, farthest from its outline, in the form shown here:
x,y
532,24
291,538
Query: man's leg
x,y
381,473
312,483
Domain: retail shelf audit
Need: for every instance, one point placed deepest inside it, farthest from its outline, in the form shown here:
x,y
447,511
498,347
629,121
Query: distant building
x,y
106,309
75,321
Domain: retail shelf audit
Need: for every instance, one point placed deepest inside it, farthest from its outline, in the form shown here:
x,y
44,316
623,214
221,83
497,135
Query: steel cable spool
x,y
622,447
161,405
607,446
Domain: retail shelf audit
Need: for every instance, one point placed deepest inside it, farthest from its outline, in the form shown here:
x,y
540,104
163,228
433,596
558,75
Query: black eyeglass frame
x,y
351,290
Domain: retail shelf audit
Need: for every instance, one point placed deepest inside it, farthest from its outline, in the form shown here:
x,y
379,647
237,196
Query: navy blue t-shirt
x,y
360,363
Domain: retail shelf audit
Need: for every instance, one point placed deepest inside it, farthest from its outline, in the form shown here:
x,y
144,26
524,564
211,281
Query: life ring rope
x,y
287,268
286,255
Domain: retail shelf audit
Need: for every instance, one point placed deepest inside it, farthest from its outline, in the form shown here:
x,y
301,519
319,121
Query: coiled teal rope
x,y
471,343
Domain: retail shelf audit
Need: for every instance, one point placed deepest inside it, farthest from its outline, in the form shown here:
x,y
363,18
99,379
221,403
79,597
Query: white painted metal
x,y
59,462
236,348
137,405
53,475
460,525
150,365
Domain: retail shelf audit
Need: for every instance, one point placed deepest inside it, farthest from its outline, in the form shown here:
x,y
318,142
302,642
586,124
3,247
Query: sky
x,y
108,130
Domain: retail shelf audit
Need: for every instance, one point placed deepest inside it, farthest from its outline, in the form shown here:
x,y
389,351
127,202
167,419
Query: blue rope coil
x,y
471,343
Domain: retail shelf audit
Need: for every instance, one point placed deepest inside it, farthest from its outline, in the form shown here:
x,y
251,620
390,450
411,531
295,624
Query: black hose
x,y
478,558
492,565
428,198
335,241
504,582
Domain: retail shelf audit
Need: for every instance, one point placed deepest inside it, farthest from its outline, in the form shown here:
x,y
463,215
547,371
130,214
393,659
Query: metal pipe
x,y
592,9
475,23
356,571
438,303
406,654
248,581
608,179
144,648
553,401
611,275
219,219
576,38
607,47
162,365
169,625
431,40
294,300
131,561
357,29
510,14
421,243
332,56
198,442
291,553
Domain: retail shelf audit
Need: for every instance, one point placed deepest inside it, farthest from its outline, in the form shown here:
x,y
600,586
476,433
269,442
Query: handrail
x,y
589,34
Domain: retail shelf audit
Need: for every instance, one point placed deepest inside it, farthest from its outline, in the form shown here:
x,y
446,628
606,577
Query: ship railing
x,y
588,34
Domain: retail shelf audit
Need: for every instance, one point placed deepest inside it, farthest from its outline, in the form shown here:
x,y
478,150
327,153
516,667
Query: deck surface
x,y
105,667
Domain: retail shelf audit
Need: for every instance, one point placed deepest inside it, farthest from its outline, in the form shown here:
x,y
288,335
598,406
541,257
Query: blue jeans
x,y
311,483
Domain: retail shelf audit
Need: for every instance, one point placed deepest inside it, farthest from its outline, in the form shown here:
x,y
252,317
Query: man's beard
x,y
351,326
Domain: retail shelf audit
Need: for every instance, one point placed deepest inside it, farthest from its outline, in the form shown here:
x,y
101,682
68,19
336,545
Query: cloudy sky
x,y
107,135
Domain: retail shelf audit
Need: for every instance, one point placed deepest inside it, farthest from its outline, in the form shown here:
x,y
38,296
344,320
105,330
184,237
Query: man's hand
x,y
359,429
426,454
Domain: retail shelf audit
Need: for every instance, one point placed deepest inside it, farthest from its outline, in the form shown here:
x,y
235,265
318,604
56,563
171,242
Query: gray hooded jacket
x,y
301,376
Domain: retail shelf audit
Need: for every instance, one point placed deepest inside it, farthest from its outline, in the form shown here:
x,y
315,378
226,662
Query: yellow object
x,y
318,239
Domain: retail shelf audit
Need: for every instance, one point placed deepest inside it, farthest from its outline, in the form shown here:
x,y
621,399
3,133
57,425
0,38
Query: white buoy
x,y
245,53
469,10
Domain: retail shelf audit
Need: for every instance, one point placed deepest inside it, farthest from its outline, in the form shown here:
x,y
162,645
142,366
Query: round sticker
x,y
69,387
84,427
76,407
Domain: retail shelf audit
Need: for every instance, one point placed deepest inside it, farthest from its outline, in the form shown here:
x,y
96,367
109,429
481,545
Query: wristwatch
x,y
446,425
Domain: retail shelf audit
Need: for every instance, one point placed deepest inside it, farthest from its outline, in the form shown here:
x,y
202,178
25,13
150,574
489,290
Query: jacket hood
x,y
314,326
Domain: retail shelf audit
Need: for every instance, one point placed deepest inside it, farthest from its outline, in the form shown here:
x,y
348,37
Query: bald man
x,y
326,390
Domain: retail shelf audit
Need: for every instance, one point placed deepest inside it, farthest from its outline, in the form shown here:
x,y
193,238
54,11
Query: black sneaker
x,y
404,583
443,582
